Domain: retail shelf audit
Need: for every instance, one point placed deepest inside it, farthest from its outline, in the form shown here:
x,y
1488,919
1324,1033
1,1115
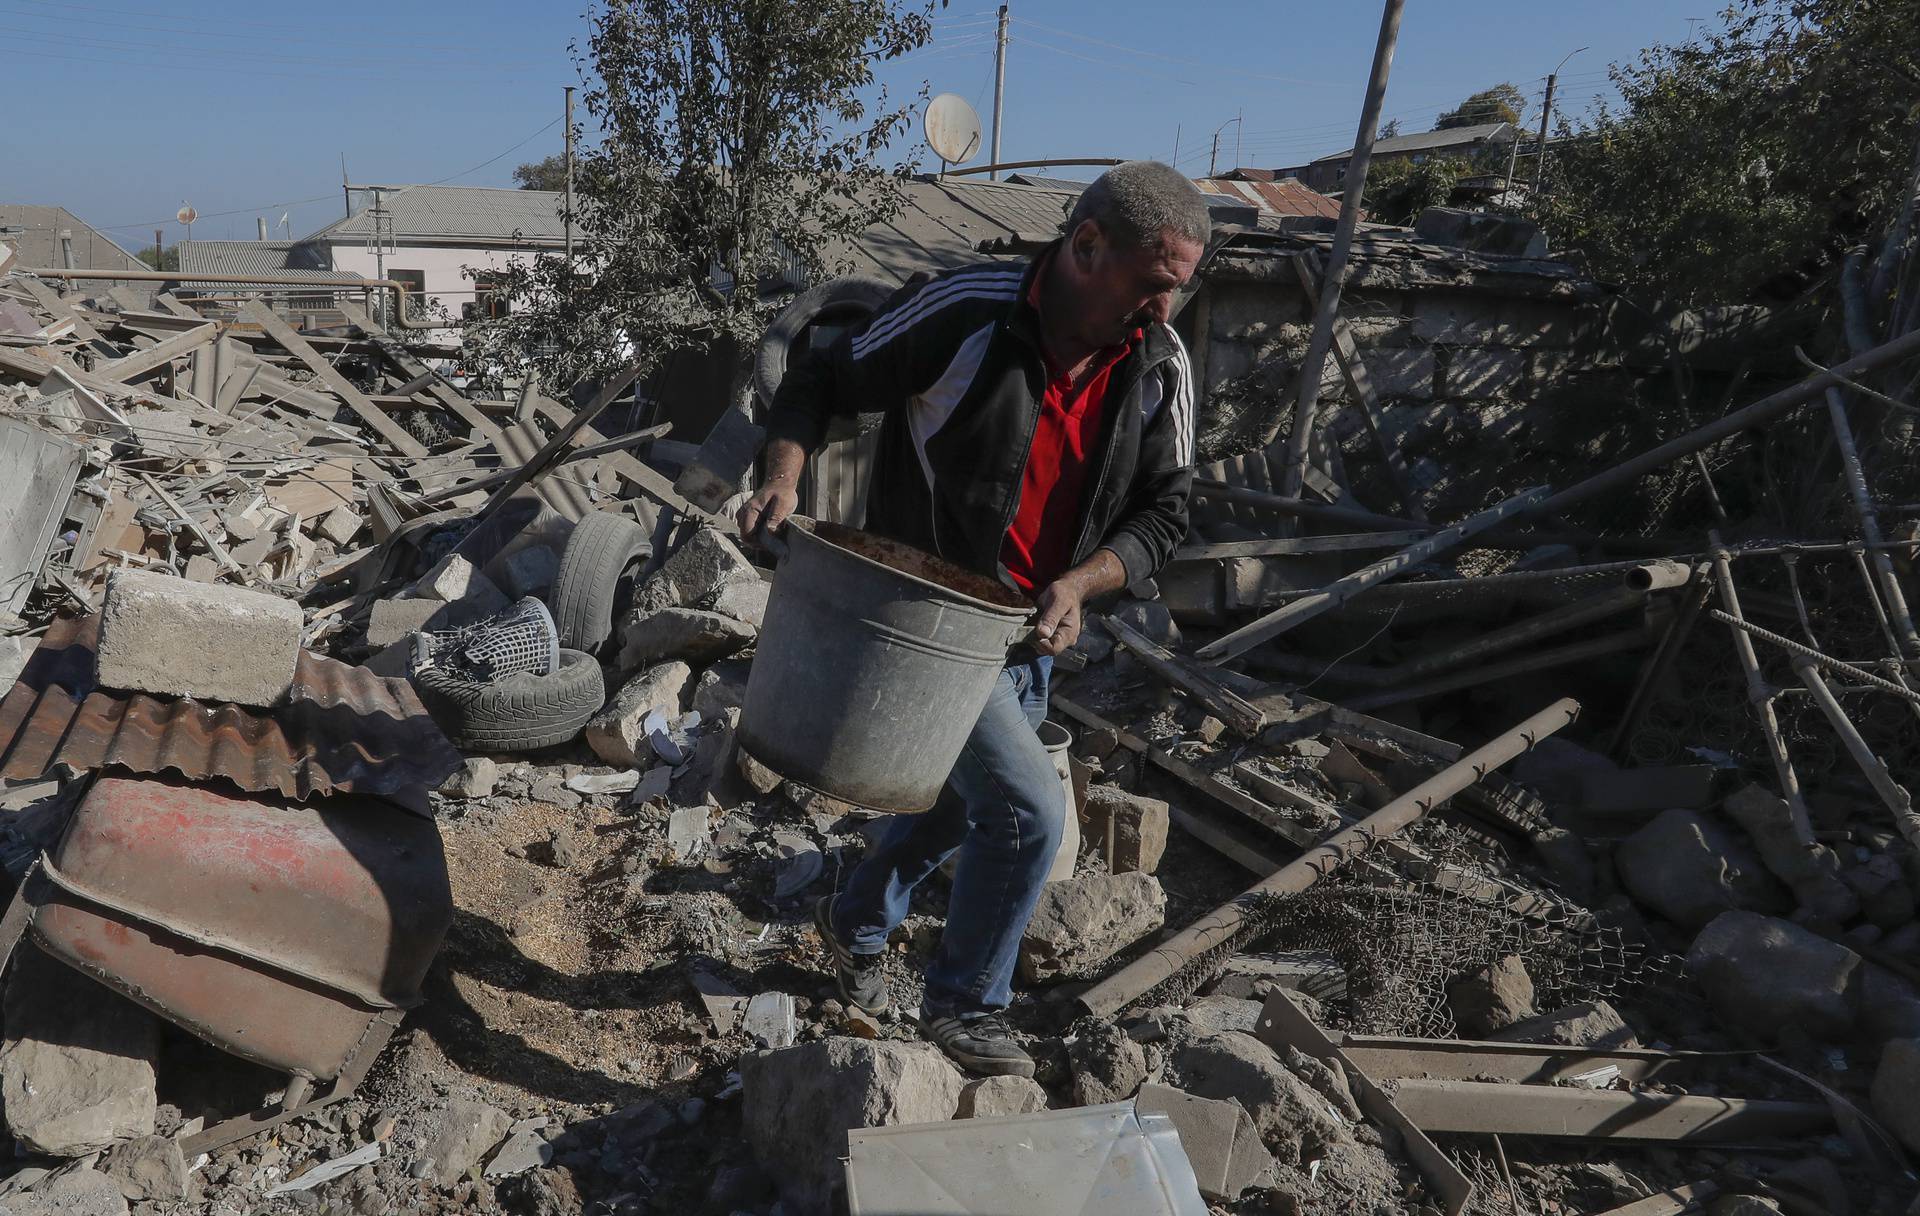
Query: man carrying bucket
x,y
1039,426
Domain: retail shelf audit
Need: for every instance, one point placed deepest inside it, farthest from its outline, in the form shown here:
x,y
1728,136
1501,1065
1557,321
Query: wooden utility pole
x,y
999,86
1546,112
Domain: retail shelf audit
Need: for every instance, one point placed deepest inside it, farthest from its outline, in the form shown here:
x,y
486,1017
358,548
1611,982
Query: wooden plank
x,y
51,301
1494,1108
356,401
1242,804
213,546
402,359
127,367
1236,711
172,304
37,473
648,481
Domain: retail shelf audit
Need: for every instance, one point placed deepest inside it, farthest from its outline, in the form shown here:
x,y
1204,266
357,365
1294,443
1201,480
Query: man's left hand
x,y
1058,626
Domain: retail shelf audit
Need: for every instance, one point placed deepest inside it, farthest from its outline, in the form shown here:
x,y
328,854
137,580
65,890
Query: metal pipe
x,y
1869,521
1353,189
1654,671
1223,924
1760,697
1341,590
1895,795
1036,164
1825,660
1764,410
399,289
1539,660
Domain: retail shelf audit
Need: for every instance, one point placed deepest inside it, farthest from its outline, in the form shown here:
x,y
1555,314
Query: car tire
x,y
594,578
521,713
850,298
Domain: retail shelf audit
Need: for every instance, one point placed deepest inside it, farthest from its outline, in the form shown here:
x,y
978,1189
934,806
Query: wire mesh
x,y
521,639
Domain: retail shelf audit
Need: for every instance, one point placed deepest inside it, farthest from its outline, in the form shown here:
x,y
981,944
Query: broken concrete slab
x,y
1082,922
1221,1142
1217,1014
340,525
1487,998
1138,827
454,580
251,639
617,734
744,600
1763,974
76,1070
797,1105
467,1134
697,572
1000,1097
1690,871
690,635
526,1148
1292,1118
80,1192
391,620
148,1168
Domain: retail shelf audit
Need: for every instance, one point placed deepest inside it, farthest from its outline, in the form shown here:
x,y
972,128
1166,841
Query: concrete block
x,y
340,525
1140,827
617,734
448,580
1219,1137
1001,1097
1476,372
392,620
162,634
691,635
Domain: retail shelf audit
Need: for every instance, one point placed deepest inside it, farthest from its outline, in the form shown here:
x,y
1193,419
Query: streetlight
x,y
1546,113
1213,159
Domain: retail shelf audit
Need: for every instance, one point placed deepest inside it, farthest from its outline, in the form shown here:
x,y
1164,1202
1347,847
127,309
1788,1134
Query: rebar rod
x,y
1760,697
1895,795
1825,660
1220,926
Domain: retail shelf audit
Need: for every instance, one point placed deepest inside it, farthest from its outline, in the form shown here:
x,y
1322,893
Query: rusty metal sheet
x,y
343,729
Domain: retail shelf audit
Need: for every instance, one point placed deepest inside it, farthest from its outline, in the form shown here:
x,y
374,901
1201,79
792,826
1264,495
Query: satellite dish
x,y
953,129
186,215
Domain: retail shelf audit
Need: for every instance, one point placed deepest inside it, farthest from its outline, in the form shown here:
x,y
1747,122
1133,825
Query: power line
x,y
1211,65
216,54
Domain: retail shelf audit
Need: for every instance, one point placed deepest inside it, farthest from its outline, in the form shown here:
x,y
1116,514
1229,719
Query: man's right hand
x,y
769,507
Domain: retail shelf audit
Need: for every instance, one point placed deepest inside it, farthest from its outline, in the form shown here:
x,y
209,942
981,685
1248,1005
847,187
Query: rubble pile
x,y
1559,863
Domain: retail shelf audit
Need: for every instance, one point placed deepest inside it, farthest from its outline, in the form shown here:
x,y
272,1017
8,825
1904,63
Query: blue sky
x,y
121,109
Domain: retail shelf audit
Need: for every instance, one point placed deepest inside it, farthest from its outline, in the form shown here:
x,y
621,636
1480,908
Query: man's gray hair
x,y
1134,203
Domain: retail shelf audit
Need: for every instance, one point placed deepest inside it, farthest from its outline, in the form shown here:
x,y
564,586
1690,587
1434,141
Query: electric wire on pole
x,y
999,86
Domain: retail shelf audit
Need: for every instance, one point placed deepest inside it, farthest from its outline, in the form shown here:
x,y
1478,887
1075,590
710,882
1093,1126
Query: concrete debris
x,y
1315,973
770,1020
529,571
1083,921
1136,825
696,573
77,1067
1809,868
604,783
468,1132
1107,1065
689,635
1327,1077
526,1148
799,1104
453,580
14,653
252,640
1222,1144
79,1192
148,1168
1001,1097
392,620
745,600
477,778
1589,1024
1491,997
721,687
617,734
1690,871
1294,1121
1764,975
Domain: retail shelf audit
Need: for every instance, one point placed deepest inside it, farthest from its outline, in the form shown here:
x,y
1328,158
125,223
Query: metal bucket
x,y
873,664
1057,739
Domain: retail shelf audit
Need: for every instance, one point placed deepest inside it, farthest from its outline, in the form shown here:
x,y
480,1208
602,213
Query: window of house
x,y
416,285
486,303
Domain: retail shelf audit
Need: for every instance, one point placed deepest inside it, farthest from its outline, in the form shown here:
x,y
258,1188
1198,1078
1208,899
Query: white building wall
x,y
443,265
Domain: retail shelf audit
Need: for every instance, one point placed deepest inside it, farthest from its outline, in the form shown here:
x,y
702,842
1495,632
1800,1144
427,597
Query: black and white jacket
x,y
954,362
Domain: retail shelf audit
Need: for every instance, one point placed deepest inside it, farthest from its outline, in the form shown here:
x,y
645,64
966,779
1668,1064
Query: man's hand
x,y
779,494
1061,604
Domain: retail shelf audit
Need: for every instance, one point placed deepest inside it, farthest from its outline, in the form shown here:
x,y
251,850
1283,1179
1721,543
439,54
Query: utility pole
x,y
568,214
1546,114
158,249
999,86
1213,158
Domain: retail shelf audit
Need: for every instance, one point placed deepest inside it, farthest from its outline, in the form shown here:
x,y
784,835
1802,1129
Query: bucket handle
x,y
772,542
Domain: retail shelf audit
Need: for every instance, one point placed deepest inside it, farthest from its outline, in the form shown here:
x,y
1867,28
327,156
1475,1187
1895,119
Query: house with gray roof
x,y
1329,173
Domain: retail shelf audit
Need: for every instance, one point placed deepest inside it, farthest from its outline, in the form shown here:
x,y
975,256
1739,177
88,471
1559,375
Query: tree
x,y
161,259
1501,103
740,146
1389,129
1399,190
1741,164
548,174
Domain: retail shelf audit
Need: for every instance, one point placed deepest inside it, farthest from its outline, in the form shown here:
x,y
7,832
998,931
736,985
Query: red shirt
x,y
1039,544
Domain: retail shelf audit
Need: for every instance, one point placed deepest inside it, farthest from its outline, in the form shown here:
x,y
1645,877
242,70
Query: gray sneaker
x,y
981,1043
860,977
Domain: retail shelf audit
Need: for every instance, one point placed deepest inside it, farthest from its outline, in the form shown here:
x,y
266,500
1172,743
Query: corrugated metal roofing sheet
x,y
1421,141
276,258
343,729
453,213
1283,197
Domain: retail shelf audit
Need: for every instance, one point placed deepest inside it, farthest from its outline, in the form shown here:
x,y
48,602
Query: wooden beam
x,y
648,481
1495,1108
127,367
214,547
445,393
1241,715
355,400
1287,546
51,301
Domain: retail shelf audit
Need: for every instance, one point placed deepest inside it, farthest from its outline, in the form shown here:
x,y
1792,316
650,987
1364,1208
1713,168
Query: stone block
x,y
1219,1137
475,778
1107,1065
1001,1097
1291,1117
1083,921
1763,974
467,1134
165,635
617,734
1140,826
696,573
148,1168
799,1103
745,600
76,1070
1490,997
1690,871
392,620
1477,372
691,635
450,580
340,525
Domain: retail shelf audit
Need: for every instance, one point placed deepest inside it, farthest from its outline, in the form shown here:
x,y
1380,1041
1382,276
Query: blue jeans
x,y
1003,810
